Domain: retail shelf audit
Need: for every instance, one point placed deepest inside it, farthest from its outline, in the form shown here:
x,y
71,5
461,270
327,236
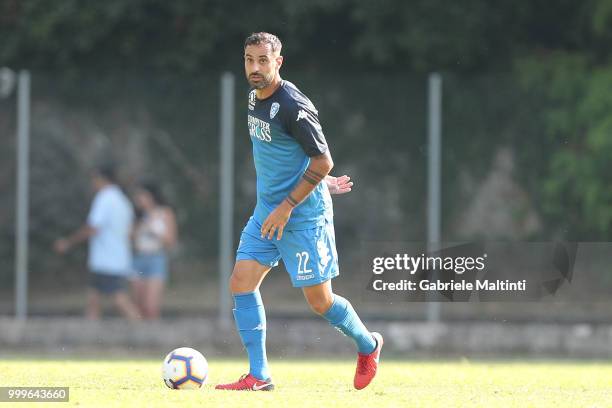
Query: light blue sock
x,y
343,317
250,319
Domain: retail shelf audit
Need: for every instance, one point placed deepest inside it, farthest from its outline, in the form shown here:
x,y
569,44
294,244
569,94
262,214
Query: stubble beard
x,y
264,82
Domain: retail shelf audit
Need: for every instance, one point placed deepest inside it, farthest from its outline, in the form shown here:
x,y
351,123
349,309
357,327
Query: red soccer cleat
x,y
247,383
367,364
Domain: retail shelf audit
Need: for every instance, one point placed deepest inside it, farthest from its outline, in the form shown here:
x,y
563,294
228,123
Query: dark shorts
x,y
107,284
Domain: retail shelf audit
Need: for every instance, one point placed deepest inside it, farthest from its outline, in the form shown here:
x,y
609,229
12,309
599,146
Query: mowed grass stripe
x,y
302,383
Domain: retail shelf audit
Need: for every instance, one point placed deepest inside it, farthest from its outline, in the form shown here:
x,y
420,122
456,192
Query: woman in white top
x,y
154,234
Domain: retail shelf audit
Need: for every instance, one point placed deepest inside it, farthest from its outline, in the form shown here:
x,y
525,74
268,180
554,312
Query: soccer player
x,y
292,219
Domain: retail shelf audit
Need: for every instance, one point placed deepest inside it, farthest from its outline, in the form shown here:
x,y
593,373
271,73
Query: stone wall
x,y
305,337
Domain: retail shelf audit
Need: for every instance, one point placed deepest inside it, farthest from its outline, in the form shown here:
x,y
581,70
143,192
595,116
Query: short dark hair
x,y
106,171
155,190
264,38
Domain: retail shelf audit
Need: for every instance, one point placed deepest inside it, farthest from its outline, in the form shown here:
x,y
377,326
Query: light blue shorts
x,y
309,256
150,266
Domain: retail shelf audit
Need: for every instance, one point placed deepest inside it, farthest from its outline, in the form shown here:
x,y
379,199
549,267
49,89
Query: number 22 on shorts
x,y
303,258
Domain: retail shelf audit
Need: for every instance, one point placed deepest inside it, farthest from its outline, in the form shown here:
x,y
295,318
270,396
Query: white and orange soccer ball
x,y
184,368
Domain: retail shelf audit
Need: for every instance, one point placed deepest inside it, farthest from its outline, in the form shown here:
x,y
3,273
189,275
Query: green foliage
x,y
187,36
558,119
576,116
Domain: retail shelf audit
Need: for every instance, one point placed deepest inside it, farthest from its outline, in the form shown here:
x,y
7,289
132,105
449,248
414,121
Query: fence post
x,y
22,205
226,197
434,176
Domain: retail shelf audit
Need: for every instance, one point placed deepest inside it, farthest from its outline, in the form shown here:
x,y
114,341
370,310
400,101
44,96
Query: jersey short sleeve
x,y
98,212
303,124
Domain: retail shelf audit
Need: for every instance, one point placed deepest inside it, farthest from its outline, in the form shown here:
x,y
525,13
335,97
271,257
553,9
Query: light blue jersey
x,y
285,133
111,215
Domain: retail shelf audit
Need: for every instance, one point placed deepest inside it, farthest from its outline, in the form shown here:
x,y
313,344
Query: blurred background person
x,y
154,235
107,229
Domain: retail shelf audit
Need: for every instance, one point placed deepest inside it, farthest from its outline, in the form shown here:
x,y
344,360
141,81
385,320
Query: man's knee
x,y
319,297
246,276
320,305
240,283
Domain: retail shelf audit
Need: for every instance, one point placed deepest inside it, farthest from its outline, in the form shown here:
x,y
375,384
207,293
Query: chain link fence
x,y
166,128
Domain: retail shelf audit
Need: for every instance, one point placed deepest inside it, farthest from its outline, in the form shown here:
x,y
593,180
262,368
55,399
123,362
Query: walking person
x,y
154,235
107,229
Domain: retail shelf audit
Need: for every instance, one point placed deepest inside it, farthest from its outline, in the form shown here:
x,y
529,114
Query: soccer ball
x,y
184,368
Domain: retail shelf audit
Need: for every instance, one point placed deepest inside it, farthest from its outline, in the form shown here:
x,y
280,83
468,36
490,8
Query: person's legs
x,y
339,312
92,311
117,287
138,288
152,298
254,259
151,273
250,318
96,290
112,285
125,305
137,282
312,261
249,313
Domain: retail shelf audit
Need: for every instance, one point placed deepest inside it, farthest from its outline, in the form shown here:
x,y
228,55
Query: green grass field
x,y
321,384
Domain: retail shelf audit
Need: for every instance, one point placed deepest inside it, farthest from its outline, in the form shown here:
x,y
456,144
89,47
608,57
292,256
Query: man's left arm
x,y
318,169
63,245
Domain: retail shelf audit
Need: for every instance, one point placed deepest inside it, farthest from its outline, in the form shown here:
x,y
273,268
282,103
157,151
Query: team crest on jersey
x,y
252,98
274,109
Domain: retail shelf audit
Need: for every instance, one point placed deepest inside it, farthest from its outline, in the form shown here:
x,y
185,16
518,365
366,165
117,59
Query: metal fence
x,y
168,128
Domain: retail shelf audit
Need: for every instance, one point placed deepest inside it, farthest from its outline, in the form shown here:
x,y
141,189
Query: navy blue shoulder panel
x,y
301,119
